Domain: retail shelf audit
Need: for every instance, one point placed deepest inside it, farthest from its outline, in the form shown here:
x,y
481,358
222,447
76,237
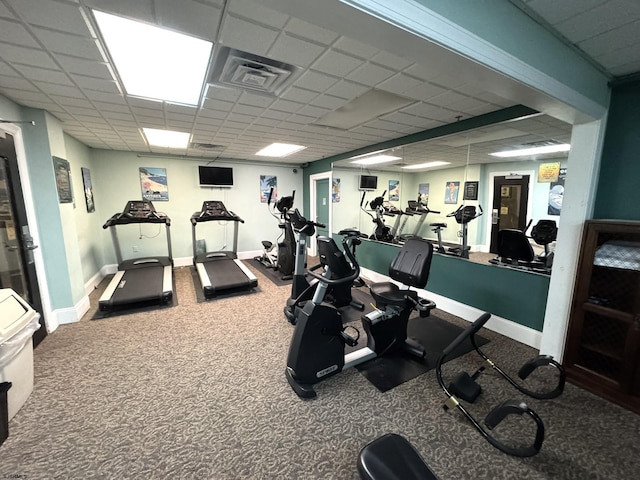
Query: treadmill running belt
x,y
142,285
224,274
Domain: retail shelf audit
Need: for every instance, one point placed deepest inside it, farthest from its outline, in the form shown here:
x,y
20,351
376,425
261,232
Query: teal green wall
x,y
617,195
512,294
45,202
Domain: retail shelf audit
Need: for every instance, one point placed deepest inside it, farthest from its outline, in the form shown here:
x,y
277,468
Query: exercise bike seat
x,y
392,457
438,225
387,293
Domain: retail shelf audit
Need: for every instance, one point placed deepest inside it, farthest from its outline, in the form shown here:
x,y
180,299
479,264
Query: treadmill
x,y
139,281
220,271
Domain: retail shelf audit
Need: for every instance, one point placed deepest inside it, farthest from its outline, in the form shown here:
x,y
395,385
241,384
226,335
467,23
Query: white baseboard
x,y
183,262
500,325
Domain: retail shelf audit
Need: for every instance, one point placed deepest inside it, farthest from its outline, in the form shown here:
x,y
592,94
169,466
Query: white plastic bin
x,y
18,322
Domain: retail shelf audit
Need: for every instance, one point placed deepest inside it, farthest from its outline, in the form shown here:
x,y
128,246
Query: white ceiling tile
x,y
222,93
99,84
67,102
24,97
273,114
370,74
53,89
626,68
328,101
18,83
312,111
189,17
620,37
399,83
347,90
300,95
5,69
355,48
554,11
316,81
27,56
213,114
84,67
402,118
600,19
44,75
247,36
391,61
620,56
336,63
105,99
239,120
74,45
55,15
216,104
285,106
312,32
248,110
126,116
248,98
294,51
5,12
258,13
14,32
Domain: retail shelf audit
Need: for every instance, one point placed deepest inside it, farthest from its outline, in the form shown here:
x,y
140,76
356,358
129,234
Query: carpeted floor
x,y
198,391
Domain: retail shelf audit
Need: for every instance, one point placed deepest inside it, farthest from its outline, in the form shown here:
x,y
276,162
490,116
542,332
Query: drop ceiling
x,y
51,58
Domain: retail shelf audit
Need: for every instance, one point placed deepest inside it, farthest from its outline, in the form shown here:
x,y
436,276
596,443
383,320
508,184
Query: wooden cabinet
x,y
602,353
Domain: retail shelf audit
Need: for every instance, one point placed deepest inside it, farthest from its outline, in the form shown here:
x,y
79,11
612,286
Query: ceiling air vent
x,y
210,147
245,70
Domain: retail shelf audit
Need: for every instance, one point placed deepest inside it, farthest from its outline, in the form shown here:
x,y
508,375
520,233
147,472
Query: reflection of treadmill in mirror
x,y
139,281
220,271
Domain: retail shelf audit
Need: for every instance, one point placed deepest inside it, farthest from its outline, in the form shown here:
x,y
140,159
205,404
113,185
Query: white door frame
x,y
492,176
50,321
313,179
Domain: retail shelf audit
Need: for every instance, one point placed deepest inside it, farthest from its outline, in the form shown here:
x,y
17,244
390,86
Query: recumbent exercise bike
x,y
317,349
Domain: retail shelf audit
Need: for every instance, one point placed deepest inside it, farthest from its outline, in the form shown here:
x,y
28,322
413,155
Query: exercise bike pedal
x,y
465,387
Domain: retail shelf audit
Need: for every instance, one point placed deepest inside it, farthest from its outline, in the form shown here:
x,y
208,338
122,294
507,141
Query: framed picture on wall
x,y
62,172
153,183
267,182
88,189
335,190
451,192
470,191
423,193
394,190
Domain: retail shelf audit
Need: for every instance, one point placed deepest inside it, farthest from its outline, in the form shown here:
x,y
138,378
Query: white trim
x,y
183,262
497,324
51,322
313,179
492,176
73,314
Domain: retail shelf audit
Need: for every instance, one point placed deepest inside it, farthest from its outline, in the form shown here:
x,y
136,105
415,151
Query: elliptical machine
x,y
382,232
285,258
317,349
339,295
463,215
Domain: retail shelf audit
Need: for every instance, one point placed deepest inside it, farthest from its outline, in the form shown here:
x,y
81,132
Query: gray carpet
x,y
198,391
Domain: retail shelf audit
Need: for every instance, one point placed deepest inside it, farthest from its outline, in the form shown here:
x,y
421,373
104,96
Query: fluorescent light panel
x,y
166,138
279,150
426,165
376,159
153,62
523,152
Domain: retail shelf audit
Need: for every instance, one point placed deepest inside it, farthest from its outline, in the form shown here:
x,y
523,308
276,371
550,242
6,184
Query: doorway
x,y
319,205
17,264
509,208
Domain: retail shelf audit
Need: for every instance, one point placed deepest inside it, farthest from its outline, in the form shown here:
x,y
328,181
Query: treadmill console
x,y
139,209
214,210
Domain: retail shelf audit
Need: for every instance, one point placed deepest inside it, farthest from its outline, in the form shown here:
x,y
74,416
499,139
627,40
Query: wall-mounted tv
x,y
215,176
368,182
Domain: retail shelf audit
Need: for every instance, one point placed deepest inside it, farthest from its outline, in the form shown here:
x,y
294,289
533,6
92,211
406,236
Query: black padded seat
x,y
387,293
392,457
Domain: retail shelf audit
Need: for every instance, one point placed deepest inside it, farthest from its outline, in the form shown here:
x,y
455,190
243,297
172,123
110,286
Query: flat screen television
x,y
368,182
215,176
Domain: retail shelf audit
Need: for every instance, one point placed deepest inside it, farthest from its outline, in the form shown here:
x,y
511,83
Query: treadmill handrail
x,y
122,218
199,217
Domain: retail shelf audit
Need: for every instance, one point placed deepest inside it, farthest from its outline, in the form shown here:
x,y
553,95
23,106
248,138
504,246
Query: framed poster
x,y
62,172
267,182
423,193
153,183
556,193
88,189
394,190
335,190
451,192
470,191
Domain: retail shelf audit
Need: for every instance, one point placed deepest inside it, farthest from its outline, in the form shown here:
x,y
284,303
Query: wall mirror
x,y
445,173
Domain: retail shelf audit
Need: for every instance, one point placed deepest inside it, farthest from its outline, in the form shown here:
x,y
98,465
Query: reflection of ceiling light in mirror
x,y
376,159
279,150
522,152
367,154
426,165
166,138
